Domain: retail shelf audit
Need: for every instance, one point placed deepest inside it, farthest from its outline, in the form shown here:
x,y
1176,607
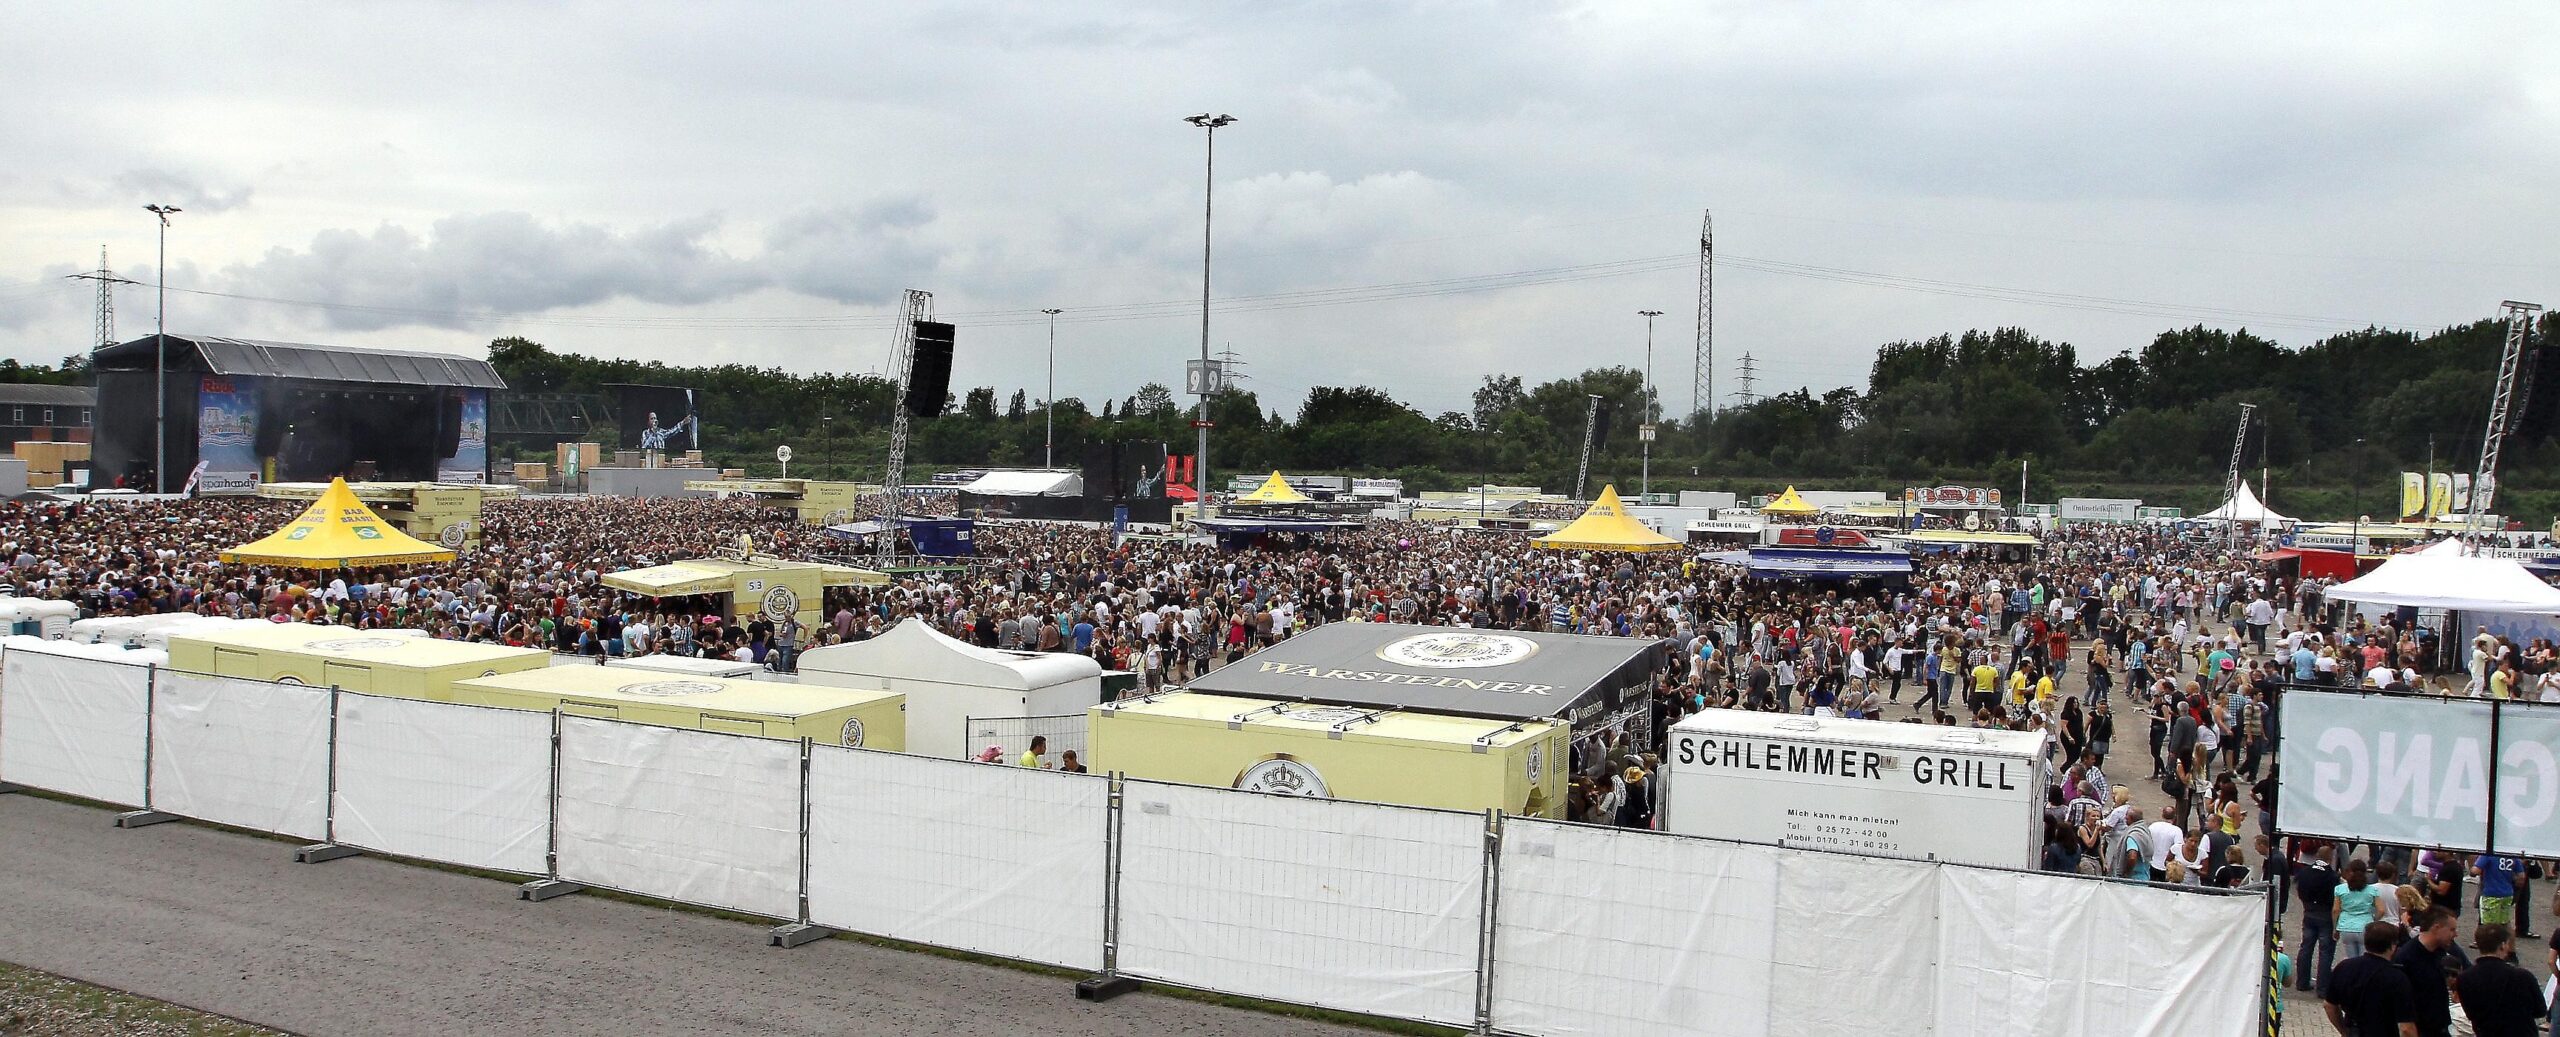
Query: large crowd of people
x,y
2157,664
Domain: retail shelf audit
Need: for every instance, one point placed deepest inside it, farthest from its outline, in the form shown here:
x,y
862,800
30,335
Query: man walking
x,y
2368,996
2501,999
2421,958
2316,885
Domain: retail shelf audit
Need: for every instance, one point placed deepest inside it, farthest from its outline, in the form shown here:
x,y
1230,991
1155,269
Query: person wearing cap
x,y
2500,998
1636,810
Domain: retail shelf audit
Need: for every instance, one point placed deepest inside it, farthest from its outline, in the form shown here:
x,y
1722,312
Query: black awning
x,y
1500,674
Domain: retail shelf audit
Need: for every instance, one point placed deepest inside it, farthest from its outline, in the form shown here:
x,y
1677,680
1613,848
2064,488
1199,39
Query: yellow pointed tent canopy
x,y
1606,527
334,532
1274,490
1789,503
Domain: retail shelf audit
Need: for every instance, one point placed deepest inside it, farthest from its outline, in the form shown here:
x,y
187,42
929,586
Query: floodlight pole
x,y
1644,487
1049,403
1208,211
160,357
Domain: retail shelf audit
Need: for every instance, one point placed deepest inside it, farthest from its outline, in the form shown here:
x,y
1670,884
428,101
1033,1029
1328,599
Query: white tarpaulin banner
x,y
1854,950
2401,769
74,726
1321,902
244,753
1611,931
2528,817
998,860
693,816
2031,954
467,785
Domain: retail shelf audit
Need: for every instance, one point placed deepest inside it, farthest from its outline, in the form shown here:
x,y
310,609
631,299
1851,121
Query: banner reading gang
x,y
2421,771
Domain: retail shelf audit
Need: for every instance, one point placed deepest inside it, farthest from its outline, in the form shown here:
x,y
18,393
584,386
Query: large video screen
x,y
664,418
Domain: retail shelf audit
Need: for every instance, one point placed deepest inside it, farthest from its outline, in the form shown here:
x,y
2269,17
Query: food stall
x,y
1334,752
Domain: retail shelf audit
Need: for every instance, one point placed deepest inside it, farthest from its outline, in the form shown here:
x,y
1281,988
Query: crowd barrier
x,y
1487,922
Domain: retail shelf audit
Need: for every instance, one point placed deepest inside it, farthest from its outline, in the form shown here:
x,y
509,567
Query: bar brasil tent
x,y
335,532
1274,490
1606,527
1789,503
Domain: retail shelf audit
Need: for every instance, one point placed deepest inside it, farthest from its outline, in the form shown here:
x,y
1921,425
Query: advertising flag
x,y
2413,494
2439,494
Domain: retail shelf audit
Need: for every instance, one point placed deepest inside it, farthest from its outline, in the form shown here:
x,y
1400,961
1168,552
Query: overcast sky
x,y
1414,195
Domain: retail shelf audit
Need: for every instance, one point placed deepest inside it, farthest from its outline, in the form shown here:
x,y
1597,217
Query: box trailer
x,y
370,661
832,716
1335,752
1862,786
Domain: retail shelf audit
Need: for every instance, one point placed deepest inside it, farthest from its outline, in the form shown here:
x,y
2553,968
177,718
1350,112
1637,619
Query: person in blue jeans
x,y
2316,885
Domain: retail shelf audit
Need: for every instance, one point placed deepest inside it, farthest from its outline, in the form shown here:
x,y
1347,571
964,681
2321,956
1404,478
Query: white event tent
x,y
948,681
2457,583
2245,507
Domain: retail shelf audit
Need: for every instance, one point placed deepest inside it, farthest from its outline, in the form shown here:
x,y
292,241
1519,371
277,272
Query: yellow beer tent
x,y
334,532
1606,527
1789,503
1274,490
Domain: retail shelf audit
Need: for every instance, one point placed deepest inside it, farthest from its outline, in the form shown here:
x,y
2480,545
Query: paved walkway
x,y
228,923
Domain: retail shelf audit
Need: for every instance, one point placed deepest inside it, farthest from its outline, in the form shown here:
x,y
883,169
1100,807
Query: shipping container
x,y
1335,752
832,716
378,662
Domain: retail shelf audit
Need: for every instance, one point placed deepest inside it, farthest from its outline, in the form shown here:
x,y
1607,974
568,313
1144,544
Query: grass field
x,y
37,1004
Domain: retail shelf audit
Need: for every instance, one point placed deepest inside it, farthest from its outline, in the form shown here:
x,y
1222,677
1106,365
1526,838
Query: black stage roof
x,y
1501,674
249,358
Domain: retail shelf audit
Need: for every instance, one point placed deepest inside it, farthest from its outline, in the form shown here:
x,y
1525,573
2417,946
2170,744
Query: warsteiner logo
x,y
1458,650
455,534
853,732
1281,774
780,604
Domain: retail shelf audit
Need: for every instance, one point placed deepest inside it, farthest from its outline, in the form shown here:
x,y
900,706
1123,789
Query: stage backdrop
x,y
226,435
675,409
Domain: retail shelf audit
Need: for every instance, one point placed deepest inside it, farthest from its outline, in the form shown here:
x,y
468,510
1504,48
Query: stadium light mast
x,y
160,357
1049,403
1644,432
1208,374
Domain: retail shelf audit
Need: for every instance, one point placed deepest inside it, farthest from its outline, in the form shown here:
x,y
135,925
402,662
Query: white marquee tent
x,y
2453,582
947,682
2245,507
1027,484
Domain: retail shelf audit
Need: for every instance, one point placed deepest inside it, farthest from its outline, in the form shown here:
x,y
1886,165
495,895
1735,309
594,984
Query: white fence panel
x,y
1611,931
1855,945
2030,954
1343,905
693,816
74,726
466,785
244,753
998,860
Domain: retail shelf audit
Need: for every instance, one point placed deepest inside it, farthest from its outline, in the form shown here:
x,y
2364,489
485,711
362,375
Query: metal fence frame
x,y
796,932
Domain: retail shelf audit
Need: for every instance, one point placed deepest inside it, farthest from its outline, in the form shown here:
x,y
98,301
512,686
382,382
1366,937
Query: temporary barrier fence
x,y
1008,861
1500,924
1064,734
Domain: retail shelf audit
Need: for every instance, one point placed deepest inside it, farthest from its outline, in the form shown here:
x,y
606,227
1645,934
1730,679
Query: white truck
x,y
1860,786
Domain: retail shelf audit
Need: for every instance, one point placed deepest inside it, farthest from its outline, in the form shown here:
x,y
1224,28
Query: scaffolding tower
x,y
2231,480
902,368
2484,482
1702,374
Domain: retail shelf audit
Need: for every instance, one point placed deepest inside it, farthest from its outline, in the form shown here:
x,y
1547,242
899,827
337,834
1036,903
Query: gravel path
x,y
229,924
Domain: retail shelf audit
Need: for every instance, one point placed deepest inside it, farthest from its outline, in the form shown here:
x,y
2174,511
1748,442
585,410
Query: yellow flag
x,y
2440,495
2413,494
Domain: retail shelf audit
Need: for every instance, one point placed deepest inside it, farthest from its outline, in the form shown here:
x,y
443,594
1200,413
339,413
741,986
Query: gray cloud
x,y
163,187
